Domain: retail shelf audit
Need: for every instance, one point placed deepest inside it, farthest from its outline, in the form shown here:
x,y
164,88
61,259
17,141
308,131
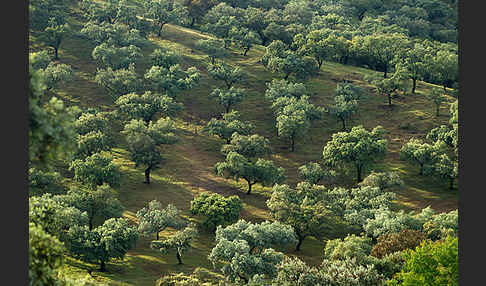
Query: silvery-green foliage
x,y
160,131
54,216
422,153
56,73
220,19
287,105
282,88
96,170
440,225
435,225
388,221
165,57
213,48
243,38
250,146
361,203
262,171
343,109
101,203
118,82
359,148
228,74
199,277
145,106
382,180
294,272
352,246
116,34
349,273
173,79
302,208
88,122
228,98
162,12
143,141
154,219
231,123
244,249
91,143
110,240
116,57
349,91
314,173
180,241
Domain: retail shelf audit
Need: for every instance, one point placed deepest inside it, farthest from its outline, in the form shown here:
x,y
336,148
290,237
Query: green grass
x,y
187,169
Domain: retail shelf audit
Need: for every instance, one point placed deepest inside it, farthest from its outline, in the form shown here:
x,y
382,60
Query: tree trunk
x,y
286,76
445,90
147,175
91,223
345,61
212,60
319,63
358,169
249,187
437,110
157,235
178,257
102,266
56,57
301,239
451,184
384,75
344,124
246,51
414,81
389,99
293,143
228,108
421,169
193,20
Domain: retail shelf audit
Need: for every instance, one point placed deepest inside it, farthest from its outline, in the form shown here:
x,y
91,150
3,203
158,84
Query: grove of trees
x,y
288,93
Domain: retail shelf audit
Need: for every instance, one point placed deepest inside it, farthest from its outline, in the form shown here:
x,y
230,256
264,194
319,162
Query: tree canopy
x,y
143,141
244,249
219,210
110,240
358,147
154,219
302,208
262,171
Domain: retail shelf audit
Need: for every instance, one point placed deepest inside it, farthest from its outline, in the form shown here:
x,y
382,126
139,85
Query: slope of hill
x,y
188,168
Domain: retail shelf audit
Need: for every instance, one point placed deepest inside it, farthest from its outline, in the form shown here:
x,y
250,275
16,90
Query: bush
x,y
219,210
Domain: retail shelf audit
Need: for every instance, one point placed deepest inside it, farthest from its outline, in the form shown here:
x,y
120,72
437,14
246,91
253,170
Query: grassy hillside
x,y
187,170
